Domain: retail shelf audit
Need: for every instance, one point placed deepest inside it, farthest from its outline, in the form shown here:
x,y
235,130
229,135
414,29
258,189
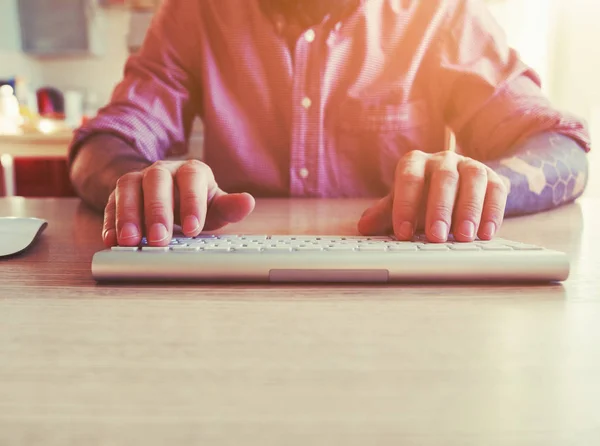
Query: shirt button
x,y
303,173
309,36
306,103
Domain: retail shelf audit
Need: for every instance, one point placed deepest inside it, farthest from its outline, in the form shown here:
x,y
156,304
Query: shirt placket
x,y
306,104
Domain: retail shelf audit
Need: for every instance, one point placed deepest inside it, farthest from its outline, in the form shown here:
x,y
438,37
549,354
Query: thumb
x,y
228,208
377,220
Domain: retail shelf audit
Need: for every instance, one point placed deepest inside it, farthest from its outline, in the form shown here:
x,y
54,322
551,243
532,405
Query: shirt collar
x,y
300,13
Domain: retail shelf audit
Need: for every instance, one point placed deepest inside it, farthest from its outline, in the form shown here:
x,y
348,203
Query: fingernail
x,y
157,233
405,232
488,230
107,234
467,229
440,230
129,230
190,224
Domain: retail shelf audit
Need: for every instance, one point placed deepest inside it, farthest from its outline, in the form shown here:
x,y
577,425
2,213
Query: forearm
x,y
546,171
97,166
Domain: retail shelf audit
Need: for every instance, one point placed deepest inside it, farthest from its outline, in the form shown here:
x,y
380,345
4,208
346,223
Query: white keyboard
x,y
302,258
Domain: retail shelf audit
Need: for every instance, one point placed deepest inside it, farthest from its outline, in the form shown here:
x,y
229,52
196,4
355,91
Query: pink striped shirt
x,y
331,117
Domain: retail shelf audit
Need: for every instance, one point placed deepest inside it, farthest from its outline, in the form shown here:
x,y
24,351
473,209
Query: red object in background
x,y
42,178
39,177
51,103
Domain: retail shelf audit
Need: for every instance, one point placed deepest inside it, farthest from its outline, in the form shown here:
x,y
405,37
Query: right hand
x,y
150,202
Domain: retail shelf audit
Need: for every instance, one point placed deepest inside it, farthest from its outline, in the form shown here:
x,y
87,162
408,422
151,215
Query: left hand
x,y
443,193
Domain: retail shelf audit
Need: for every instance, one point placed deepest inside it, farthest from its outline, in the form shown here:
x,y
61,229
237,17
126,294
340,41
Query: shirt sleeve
x,y
492,100
153,107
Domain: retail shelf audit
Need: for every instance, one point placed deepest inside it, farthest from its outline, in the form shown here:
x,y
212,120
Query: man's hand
x,y
149,202
441,193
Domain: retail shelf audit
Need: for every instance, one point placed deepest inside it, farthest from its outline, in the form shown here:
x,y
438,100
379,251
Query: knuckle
x,y
445,156
410,176
498,186
129,179
404,207
449,155
442,209
195,162
193,167
446,175
410,169
160,164
189,197
156,172
127,211
413,156
474,170
155,210
494,212
471,209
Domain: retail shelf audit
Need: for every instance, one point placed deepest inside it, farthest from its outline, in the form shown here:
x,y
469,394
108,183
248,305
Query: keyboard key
x,y
523,247
156,248
254,238
464,247
125,248
309,247
433,247
248,248
218,244
402,247
216,248
185,248
341,247
494,247
380,247
278,248
193,241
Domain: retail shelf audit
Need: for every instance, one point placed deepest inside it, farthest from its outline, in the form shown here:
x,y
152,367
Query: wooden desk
x,y
83,364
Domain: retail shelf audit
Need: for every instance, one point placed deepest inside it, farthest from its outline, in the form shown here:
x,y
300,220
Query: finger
x,y
442,195
226,208
471,196
194,179
494,206
128,198
408,194
157,185
109,231
377,220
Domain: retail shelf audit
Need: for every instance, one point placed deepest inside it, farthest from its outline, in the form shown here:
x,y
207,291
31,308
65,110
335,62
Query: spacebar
x,y
329,275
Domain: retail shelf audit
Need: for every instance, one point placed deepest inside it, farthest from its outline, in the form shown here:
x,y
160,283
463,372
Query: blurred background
x,y
62,58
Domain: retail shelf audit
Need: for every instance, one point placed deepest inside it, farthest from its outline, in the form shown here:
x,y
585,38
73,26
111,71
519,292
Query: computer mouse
x,y
18,233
